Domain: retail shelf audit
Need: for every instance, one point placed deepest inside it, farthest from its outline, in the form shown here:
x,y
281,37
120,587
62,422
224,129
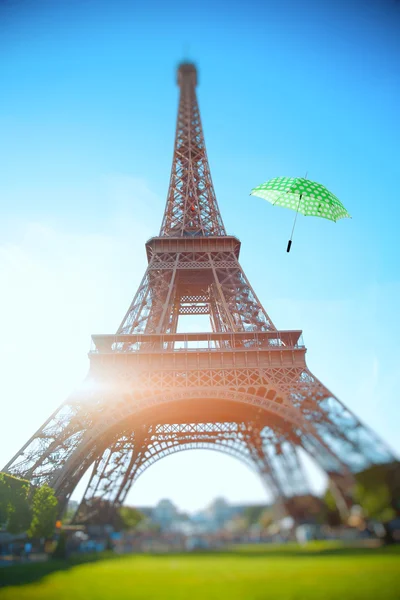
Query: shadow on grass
x,y
25,573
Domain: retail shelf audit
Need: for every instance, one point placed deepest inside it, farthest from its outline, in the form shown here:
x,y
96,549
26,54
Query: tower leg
x,y
279,465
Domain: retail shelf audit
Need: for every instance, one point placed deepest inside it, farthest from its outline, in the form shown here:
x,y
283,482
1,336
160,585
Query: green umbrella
x,y
302,195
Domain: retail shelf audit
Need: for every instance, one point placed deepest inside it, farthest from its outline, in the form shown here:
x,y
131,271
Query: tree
x,y
44,512
253,513
4,499
129,517
15,509
377,491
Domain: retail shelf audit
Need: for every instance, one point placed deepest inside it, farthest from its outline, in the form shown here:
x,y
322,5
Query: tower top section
x,y
191,208
187,72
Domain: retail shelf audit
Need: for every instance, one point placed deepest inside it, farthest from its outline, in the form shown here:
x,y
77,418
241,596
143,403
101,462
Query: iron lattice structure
x,y
243,388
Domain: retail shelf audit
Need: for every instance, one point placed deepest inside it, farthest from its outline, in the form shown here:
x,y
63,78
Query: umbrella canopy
x,y
302,195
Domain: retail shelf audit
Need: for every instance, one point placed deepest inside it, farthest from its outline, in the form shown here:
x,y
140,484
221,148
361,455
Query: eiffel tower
x,y
242,388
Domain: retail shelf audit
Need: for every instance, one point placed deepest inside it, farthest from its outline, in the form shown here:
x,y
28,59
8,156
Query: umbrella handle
x,y
294,225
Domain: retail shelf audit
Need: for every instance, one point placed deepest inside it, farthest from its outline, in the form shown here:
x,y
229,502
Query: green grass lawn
x,y
322,572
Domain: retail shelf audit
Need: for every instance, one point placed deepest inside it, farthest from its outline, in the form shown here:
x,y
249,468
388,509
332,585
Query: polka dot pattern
x,y
308,197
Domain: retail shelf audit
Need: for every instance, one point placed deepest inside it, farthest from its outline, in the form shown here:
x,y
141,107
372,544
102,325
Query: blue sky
x,y
87,119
